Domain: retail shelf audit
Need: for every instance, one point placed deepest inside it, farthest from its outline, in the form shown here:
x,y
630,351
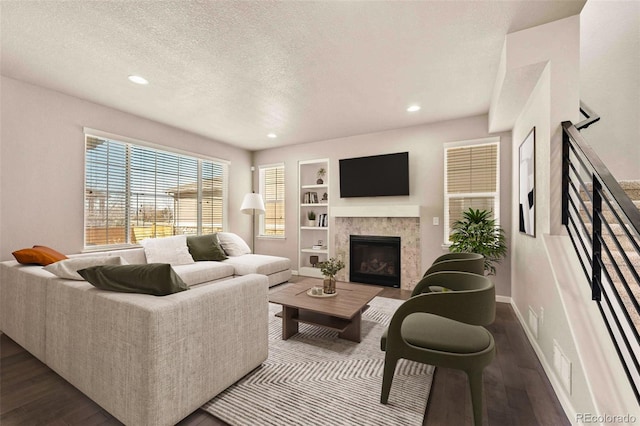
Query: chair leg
x,y
387,376
475,385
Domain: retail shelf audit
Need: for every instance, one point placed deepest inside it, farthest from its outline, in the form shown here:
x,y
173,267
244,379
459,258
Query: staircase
x,y
615,257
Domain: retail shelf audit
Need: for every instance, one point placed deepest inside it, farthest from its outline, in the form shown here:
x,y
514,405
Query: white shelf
x,y
311,235
310,250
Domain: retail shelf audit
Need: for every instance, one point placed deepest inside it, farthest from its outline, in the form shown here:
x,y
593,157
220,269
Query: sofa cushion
x,y
38,255
201,272
232,244
172,250
258,264
158,279
68,268
205,247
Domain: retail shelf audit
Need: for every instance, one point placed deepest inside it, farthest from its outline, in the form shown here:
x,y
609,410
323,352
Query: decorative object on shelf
x,y
325,197
313,260
329,269
321,173
310,198
478,233
311,218
252,204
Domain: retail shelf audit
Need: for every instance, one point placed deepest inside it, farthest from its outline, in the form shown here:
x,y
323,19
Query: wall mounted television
x,y
375,176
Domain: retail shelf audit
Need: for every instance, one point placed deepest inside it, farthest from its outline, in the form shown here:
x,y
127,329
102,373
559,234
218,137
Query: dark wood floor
x,y
517,391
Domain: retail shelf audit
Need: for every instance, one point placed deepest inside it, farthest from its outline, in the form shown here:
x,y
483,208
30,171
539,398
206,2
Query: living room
x,y
43,174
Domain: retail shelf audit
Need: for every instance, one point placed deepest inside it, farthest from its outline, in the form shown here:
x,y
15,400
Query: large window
x,y
272,190
472,180
134,192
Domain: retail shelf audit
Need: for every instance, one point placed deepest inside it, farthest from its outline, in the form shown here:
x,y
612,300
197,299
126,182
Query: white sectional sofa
x,y
147,360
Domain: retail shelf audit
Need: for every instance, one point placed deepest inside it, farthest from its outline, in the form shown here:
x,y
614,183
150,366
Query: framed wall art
x,y
527,193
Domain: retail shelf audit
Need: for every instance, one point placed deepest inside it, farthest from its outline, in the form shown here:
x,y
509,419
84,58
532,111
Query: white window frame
x,y
448,197
262,183
89,132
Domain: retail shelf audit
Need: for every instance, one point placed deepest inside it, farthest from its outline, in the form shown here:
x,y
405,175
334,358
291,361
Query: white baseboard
x,y
556,384
504,299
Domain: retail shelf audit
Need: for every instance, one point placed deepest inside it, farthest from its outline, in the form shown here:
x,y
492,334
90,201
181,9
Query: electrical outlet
x,y
436,221
562,365
541,318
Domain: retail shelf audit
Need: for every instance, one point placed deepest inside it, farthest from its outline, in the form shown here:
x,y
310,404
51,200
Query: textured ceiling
x,y
235,71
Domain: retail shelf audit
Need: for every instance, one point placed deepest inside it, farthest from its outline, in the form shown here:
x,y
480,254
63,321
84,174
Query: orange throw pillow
x,y
38,255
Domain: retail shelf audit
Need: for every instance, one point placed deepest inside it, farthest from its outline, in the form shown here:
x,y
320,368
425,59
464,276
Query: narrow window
x,y
472,176
272,190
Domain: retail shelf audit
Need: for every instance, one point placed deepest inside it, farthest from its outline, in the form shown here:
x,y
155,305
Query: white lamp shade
x,y
252,203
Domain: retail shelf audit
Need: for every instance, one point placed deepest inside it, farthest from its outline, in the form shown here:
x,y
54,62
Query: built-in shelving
x,y
313,196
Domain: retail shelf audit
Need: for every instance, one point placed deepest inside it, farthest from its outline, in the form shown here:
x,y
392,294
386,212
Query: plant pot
x,y
329,285
319,181
311,222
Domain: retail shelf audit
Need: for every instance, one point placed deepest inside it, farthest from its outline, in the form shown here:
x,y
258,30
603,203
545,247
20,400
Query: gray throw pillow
x,y
205,247
157,279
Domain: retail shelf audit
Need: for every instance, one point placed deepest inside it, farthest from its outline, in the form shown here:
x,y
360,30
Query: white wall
x,y
426,163
533,279
610,82
545,275
42,164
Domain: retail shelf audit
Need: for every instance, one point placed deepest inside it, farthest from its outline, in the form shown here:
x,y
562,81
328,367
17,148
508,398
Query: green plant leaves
x,y
478,233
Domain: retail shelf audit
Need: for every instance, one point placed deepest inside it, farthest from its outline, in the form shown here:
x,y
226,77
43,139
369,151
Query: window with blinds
x,y
272,190
134,192
471,181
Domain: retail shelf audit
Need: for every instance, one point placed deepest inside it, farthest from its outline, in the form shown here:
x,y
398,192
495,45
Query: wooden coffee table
x,y
341,313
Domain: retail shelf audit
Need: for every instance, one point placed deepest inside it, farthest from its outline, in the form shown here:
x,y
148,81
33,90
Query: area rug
x,y
316,378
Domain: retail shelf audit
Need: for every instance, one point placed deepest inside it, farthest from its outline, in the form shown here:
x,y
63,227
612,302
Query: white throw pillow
x,y
68,268
232,244
172,250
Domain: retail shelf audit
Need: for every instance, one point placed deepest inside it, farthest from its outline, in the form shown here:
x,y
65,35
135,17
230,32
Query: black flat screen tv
x,y
375,176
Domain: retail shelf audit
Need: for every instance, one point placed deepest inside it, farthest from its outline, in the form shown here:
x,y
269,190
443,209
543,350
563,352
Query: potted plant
x,y
321,173
478,233
329,269
311,218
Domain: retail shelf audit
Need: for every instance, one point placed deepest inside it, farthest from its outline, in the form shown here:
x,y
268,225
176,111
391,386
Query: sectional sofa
x,y
145,359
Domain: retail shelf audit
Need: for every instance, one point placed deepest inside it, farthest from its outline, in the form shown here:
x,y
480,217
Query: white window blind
x,y
134,192
471,181
272,223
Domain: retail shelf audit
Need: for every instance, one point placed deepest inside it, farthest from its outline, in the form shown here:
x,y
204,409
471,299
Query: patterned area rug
x,y
315,378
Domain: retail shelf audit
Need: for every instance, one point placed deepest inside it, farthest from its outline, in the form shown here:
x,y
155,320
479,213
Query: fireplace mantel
x,y
409,210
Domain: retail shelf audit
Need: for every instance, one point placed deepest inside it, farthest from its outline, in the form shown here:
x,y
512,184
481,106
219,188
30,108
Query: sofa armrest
x,y
22,305
153,360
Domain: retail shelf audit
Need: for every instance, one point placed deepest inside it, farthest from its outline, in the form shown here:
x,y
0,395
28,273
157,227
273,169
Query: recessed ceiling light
x,y
413,108
138,80
272,135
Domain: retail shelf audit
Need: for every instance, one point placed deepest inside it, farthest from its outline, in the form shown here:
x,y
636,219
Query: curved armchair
x,y
444,329
465,262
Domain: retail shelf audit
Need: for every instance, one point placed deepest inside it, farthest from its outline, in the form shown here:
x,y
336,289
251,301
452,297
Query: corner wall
x,y
42,164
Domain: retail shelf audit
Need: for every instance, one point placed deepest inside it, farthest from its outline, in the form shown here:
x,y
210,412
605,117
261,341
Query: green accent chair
x,y
444,329
465,262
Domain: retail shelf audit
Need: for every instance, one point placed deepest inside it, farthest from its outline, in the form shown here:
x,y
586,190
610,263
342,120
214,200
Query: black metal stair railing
x,y
604,226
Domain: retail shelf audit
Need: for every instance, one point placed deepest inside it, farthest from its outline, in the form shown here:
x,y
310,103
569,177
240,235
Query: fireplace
x,y
374,260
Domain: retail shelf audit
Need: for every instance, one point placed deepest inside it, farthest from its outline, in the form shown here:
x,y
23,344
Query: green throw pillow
x,y
205,247
158,279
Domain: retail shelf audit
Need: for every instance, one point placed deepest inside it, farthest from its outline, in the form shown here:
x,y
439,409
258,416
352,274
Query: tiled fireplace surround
x,y
403,223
